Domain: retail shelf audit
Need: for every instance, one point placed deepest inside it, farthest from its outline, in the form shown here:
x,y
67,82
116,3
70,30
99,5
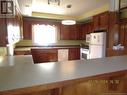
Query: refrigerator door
x,y
98,38
96,51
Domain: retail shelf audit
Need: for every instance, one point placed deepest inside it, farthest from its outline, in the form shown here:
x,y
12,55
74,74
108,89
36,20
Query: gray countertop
x,y
26,45
20,72
57,43
46,47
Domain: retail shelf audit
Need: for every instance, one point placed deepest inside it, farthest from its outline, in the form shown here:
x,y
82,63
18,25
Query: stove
x,y
84,52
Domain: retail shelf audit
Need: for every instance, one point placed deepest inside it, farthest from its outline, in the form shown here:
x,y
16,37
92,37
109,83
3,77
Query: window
x,y
44,34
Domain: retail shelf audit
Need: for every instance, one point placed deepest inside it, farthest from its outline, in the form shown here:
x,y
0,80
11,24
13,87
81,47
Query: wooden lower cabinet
x,y
111,52
114,85
107,84
50,55
44,55
74,54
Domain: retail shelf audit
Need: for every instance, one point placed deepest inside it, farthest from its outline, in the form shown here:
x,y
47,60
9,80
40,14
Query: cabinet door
x,y
3,32
64,32
104,20
122,34
101,21
83,32
89,27
86,29
44,55
27,30
68,32
74,53
72,32
78,31
95,22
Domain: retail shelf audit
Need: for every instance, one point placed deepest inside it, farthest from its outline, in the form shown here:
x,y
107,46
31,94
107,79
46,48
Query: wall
x,y
83,17
123,14
3,51
8,50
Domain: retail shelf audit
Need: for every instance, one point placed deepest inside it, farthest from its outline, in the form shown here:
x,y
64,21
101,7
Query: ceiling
x,y
78,7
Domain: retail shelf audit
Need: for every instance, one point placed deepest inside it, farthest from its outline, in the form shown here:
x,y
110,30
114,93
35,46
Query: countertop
x,y
26,45
46,47
29,43
19,72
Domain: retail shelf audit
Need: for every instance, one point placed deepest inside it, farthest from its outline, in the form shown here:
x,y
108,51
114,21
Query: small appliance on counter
x,y
96,45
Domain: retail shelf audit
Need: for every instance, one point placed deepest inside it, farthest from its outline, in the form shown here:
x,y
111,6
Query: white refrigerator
x,y
97,45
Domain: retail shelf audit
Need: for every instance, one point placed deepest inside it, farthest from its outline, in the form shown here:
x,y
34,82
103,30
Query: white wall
x,y
3,51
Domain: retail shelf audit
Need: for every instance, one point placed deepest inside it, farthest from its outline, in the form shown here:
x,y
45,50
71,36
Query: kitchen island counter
x,y
18,74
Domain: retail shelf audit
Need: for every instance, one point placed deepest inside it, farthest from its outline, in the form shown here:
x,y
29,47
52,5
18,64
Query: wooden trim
x,y
123,8
52,46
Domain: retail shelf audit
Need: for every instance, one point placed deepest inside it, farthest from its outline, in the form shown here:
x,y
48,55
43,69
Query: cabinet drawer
x,y
22,53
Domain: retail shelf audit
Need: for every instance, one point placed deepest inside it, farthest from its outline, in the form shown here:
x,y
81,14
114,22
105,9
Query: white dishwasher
x,y
62,55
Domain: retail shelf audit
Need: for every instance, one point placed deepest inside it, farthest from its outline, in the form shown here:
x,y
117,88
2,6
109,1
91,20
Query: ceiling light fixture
x,y
54,1
68,22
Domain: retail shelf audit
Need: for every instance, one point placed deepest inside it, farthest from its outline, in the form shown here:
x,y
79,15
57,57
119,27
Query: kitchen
x,y
66,44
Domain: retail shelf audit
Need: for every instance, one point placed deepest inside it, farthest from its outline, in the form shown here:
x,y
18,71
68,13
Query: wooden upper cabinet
x,y
104,20
96,22
83,32
101,21
69,32
89,27
64,32
85,29
78,31
27,30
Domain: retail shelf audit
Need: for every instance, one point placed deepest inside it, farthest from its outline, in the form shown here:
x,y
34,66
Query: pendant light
x,y
68,21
